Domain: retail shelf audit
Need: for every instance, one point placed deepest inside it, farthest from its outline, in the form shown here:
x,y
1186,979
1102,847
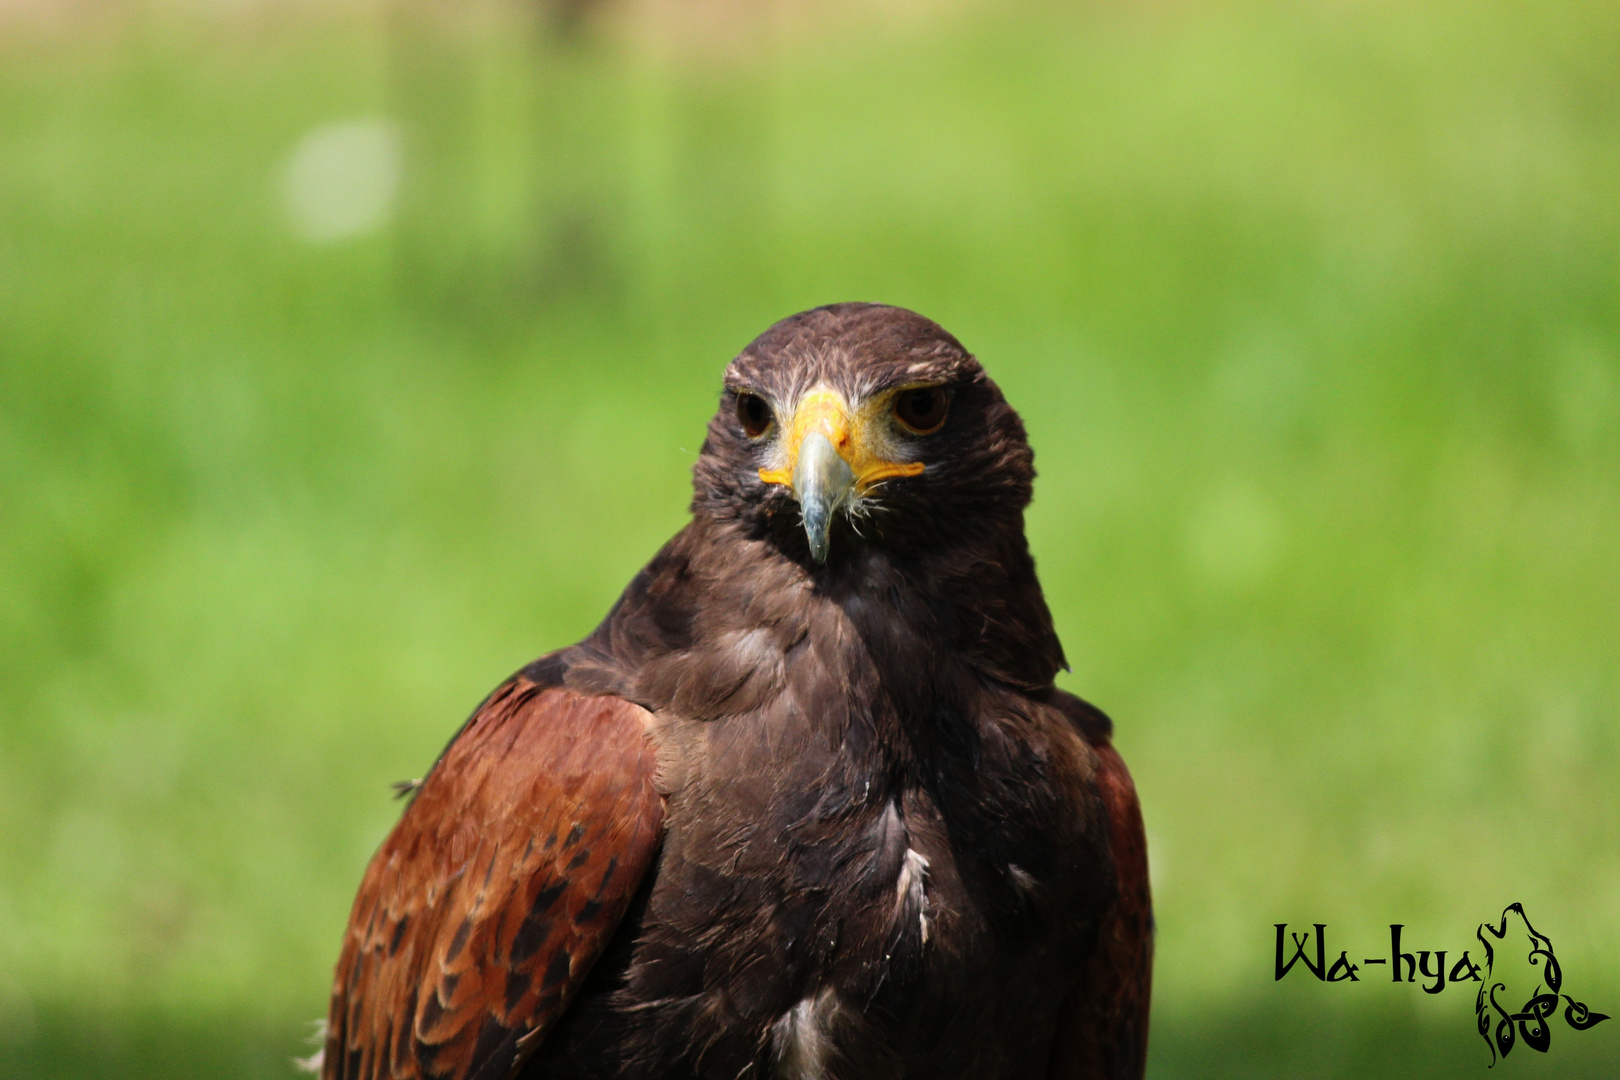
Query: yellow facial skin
x,y
865,440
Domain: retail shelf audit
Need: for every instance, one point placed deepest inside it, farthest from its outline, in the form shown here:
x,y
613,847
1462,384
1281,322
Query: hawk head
x,y
858,425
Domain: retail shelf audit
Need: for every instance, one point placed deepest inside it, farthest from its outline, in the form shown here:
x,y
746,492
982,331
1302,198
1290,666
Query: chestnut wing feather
x,y
481,913
1104,1030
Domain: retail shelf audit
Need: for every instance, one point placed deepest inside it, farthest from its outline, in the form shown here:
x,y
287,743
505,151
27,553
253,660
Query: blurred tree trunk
x,y
513,182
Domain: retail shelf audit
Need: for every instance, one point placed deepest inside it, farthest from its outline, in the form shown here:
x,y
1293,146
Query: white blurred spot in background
x,y
341,179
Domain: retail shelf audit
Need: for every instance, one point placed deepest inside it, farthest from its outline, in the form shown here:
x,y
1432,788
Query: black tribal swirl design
x,y
1532,1021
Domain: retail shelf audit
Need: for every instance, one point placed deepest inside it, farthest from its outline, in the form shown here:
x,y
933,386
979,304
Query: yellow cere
x,y
864,440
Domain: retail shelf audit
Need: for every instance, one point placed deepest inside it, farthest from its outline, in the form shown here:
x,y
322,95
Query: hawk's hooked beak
x,y
822,482
833,458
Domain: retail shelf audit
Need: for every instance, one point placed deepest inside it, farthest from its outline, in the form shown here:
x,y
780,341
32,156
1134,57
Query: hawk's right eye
x,y
753,414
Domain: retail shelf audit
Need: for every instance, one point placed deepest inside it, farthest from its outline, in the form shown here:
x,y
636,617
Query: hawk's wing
x,y
484,909
1103,1031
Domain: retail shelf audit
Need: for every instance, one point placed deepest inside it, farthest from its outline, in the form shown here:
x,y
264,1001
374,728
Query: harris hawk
x,y
806,804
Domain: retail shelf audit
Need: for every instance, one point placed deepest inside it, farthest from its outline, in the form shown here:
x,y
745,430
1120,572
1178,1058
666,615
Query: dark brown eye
x,y
753,414
923,409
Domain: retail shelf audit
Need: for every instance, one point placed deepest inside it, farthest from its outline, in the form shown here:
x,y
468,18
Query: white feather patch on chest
x,y
800,1038
911,890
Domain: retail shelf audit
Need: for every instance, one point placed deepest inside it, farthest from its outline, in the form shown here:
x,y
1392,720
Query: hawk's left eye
x,y
923,409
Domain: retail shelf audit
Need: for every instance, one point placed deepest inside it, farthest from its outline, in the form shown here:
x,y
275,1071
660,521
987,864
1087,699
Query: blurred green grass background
x,y
1313,311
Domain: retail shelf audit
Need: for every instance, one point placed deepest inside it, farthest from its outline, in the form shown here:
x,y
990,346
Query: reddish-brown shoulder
x,y
481,913
1103,1035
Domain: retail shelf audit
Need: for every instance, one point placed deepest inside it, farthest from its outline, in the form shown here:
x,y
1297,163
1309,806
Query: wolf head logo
x,y
1532,1021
